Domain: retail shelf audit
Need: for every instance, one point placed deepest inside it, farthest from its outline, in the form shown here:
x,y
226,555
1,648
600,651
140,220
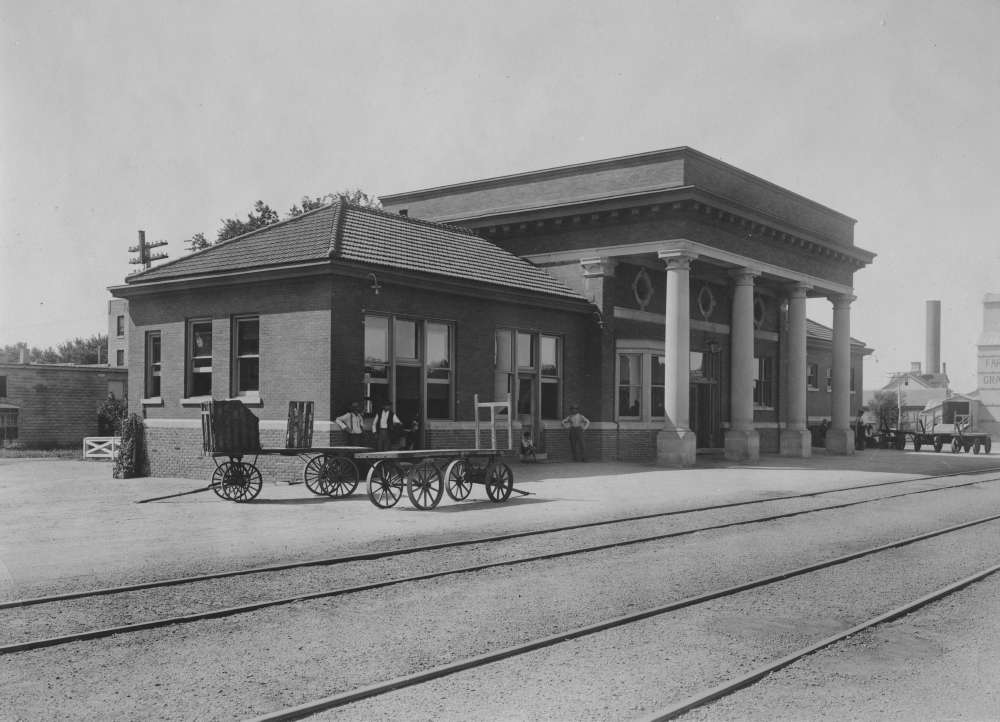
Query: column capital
x,y
679,259
842,301
598,266
744,276
798,290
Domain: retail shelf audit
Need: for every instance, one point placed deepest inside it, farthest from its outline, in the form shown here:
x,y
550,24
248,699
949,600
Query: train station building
x,y
663,293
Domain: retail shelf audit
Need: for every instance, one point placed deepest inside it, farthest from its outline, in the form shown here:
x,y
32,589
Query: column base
x,y
676,447
743,445
796,442
840,442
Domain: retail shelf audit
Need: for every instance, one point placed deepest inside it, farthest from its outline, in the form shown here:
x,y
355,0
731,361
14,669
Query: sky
x,y
169,116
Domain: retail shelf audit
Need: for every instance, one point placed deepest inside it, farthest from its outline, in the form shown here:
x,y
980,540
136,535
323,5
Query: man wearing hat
x,y
353,423
382,427
577,423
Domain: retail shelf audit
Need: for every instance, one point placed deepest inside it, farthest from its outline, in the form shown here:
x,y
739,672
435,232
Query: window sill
x,y
195,400
254,401
154,401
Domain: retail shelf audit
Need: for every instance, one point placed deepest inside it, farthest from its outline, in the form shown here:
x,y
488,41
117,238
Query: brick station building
x,y
664,293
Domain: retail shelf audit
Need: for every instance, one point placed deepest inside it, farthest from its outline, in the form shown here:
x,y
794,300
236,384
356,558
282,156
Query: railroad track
x,y
704,695
135,597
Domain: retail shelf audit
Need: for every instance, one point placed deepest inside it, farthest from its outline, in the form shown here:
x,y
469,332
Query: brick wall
x,y
57,404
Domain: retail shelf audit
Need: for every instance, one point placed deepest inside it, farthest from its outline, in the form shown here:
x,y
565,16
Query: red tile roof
x,y
346,232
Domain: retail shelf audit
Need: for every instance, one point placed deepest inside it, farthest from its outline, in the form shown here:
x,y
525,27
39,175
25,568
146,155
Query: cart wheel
x,y
457,482
956,445
987,444
938,443
900,442
424,486
243,482
917,443
315,475
220,473
385,484
976,447
499,482
341,478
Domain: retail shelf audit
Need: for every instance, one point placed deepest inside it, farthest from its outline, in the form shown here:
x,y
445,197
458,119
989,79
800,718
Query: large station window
x,y
812,377
409,363
199,363
630,385
641,384
154,366
246,363
763,382
528,366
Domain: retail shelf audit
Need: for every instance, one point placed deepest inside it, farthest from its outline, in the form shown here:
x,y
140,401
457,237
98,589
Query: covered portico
x,y
699,274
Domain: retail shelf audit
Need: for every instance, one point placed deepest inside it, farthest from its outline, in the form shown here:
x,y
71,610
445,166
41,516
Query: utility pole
x,y
143,249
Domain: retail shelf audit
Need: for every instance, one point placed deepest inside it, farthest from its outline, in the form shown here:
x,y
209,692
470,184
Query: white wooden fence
x,y
101,447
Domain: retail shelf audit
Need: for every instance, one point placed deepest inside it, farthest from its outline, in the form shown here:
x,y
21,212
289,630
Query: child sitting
x,y
527,447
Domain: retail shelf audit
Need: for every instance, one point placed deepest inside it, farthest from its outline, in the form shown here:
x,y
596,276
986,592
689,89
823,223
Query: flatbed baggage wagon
x,y
231,435
427,474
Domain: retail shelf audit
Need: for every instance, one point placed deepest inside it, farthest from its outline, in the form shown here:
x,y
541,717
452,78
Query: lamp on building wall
x,y
599,317
375,285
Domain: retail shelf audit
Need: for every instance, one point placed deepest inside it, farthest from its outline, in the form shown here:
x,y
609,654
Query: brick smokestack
x,y
932,358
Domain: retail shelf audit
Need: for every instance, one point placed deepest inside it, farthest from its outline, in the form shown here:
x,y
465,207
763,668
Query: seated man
x,y
527,447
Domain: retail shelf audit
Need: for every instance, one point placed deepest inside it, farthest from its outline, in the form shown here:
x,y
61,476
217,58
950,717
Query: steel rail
x,y
710,695
343,591
389,553
380,688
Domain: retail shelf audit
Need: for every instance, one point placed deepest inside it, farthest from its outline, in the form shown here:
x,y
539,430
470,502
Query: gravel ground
x,y
63,526
239,667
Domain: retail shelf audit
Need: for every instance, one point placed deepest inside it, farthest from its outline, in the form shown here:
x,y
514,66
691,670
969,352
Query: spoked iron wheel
x,y
987,445
456,478
499,482
242,482
956,445
385,484
315,475
220,473
341,476
424,485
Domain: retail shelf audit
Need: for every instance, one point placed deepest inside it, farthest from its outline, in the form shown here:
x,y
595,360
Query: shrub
x,y
129,462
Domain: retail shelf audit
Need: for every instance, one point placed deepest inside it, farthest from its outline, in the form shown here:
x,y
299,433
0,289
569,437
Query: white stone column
x,y
742,440
676,444
840,437
795,437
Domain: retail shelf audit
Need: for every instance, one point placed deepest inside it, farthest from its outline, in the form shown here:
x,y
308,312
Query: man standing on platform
x,y
353,423
382,426
577,423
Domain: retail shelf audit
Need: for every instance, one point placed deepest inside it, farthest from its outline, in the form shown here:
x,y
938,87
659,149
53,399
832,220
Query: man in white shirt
x,y
382,427
353,423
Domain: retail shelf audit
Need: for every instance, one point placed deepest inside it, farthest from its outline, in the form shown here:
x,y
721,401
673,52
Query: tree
x,y
197,242
351,195
885,406
76,351
261,216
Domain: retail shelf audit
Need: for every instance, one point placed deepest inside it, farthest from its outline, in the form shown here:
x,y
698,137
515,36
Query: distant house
x,y
53,405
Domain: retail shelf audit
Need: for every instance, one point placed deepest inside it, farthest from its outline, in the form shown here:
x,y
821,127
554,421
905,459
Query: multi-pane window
x,y
246,346
630,385
120,326
8,425
529,367
829,380
199,366
658,367
551,373
409,363
439,370
3,386
153,364
119,358
376,362
852,379
763,383
812,377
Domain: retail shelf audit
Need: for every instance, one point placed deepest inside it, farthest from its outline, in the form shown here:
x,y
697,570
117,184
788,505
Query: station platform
x,y
69,525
